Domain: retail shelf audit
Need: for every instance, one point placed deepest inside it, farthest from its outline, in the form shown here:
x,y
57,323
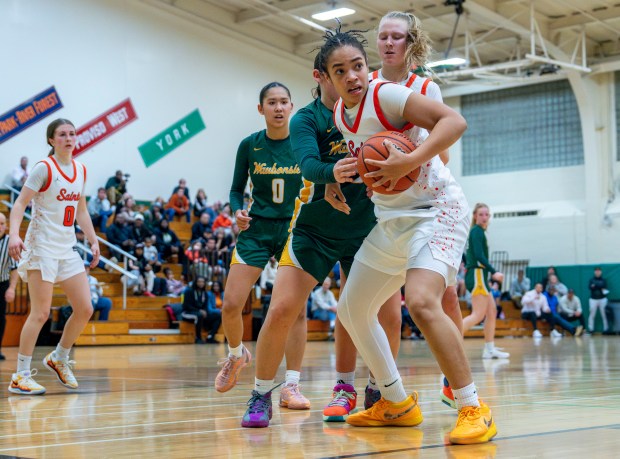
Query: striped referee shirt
x,y
6,262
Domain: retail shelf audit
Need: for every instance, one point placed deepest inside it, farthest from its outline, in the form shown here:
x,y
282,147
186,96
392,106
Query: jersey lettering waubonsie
x,y
51,232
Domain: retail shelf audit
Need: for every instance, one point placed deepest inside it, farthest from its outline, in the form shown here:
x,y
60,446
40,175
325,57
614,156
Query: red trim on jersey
x,y
381,116
424,85
411,80
49,177
358,118
70,180
374,75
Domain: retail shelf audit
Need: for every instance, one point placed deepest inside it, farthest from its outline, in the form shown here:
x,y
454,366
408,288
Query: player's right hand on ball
x,y
16,245
345,169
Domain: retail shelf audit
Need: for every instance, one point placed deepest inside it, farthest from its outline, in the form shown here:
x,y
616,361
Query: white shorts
x,y
397,245
52,269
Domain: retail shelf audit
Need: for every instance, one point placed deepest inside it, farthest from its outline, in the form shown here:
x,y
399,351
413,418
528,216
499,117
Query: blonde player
x,y
46,257
418,240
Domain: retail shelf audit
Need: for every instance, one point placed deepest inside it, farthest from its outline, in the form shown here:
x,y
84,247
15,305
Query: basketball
x,y
373,148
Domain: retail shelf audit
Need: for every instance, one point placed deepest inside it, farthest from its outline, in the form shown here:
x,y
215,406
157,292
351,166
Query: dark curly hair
x,y
335,39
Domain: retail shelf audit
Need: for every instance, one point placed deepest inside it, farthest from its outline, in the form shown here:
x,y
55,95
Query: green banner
x,y
170,138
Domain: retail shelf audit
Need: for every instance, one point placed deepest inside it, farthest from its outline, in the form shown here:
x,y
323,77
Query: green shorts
x,y
264,238
476,281
317,255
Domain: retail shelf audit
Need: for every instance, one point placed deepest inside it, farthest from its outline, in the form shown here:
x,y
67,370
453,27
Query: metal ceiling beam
x,y
592,17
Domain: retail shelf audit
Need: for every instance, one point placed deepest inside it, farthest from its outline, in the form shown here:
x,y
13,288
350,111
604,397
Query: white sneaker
x,y
62,369
537,334
23,384
555,334
494,354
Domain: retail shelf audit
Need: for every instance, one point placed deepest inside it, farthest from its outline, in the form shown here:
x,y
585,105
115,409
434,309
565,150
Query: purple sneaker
x,y
371,397
259,410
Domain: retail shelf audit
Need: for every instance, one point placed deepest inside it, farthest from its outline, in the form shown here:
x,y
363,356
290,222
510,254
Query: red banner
x,y
104,126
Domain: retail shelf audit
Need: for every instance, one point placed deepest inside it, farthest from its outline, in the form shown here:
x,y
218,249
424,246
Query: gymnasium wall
x,y
98,53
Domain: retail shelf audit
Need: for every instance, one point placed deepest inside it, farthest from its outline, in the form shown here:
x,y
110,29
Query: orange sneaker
x,y
344,399
231,367
474,425
385,413
292,398
446,394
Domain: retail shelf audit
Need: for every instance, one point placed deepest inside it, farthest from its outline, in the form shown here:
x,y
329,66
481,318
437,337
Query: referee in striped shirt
x,y
8,277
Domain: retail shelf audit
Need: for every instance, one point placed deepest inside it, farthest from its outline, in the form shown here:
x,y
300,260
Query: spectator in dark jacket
x,y
167,241
140,231
202,228
198,308
119,233
598,299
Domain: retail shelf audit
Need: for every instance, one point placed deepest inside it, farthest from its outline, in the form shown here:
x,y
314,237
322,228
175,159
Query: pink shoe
x,y
231,367
292,398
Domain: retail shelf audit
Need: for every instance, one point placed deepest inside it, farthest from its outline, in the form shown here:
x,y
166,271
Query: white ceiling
x,y
496,35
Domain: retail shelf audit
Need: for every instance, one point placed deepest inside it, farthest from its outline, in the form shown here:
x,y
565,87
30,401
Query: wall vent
x,y
516,213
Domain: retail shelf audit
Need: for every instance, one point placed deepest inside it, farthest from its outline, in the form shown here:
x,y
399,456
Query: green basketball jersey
x,y
275,177
317,146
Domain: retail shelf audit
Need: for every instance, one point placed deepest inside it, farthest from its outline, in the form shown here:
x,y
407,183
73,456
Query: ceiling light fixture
x,y
333,14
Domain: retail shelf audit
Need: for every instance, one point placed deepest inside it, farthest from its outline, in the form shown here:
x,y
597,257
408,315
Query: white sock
x,y
372,383
346,378
489,346
236,351
23,362
466,396
61,353
292,377
392,389
262,386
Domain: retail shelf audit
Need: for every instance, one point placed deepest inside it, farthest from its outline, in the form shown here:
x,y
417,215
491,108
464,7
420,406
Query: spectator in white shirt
x,y
324,303
268,276
99,209
535,306
570,308
20,173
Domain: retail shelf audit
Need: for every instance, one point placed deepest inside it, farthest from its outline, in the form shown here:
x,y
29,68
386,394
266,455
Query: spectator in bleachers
x,y
216,294
100,302
496,293
570,308
119,233
198,264
137,284
156,213
598,299
336,274
178,205
140,232
200,228
268,276
553,300
550,272
198,309
129,208
151,254
200,203
559,287
182,185
20,174
535,307
324,304
219,272
116,187
518,287
99,209
222,242
175,286
167,242
223,220
146,270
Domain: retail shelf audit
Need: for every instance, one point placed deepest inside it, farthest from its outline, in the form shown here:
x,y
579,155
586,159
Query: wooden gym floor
x,y
553,399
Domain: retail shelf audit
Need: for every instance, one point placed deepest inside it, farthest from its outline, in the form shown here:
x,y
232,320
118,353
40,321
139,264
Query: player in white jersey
x,y
56,185
402,45
418,240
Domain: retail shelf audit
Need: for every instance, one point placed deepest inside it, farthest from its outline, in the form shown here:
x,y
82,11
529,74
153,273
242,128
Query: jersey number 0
x,y
69,216
277,187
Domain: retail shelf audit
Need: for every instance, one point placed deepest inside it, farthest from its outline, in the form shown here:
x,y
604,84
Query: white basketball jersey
x,y
434,193
51,232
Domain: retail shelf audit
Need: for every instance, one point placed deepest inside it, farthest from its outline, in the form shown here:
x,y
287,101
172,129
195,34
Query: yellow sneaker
x,y
384,413
474,425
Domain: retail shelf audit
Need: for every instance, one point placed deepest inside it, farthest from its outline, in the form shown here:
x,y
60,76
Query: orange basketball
x,y
373,148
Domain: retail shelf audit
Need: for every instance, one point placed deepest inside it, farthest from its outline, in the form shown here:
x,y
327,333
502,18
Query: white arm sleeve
x,y
38,178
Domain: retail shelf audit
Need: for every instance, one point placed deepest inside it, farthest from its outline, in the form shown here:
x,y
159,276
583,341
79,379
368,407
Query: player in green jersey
x,y
319,237
266,159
